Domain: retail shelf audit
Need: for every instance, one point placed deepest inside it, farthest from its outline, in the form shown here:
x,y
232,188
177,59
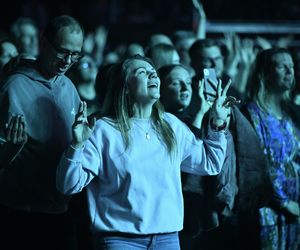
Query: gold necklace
x,y
147,133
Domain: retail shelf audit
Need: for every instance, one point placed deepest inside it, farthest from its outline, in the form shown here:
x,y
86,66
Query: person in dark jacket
x,y
38,104
220,211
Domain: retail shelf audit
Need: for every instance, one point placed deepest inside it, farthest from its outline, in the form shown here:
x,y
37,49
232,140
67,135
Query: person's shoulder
x,y
14,80
173,120
106,119
66,80
105,128
105,122
22,72
170,117
16,64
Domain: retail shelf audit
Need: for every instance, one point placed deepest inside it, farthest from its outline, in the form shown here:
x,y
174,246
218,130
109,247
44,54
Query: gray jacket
x,y
28,183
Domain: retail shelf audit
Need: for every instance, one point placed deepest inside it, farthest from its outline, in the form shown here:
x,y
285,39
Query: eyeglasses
x,y
64,53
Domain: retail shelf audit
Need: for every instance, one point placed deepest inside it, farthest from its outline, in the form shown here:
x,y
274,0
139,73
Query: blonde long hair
x,y
259,84
118,106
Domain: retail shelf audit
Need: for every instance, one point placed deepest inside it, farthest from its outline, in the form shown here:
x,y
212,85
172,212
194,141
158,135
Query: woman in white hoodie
x,y
130,160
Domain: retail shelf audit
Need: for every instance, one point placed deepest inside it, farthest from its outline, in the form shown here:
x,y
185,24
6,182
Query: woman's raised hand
x,y
82,127
220,108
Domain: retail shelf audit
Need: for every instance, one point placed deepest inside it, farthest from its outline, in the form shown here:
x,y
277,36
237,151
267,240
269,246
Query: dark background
x,y
135,20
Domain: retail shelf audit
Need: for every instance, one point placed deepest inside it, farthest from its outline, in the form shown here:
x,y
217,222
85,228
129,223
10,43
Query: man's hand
x,y
15,138
15,131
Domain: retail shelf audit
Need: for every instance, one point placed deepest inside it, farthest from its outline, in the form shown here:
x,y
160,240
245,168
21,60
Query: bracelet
x,y
218,128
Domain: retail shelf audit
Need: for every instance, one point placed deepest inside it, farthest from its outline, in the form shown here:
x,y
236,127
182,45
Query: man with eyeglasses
x,y
83,75
38,104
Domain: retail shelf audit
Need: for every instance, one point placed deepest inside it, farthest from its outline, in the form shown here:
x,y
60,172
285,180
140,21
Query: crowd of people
x,y
122,148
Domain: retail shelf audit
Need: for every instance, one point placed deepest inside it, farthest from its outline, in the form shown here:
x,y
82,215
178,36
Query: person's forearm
x,y
69,171
197,121
71,176
201,28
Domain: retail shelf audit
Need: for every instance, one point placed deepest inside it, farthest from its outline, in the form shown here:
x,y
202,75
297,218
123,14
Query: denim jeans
x,y
120,241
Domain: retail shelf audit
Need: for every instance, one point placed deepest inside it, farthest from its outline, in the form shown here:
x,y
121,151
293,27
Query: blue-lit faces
x,y
87,69
176,90
282,72
65,50
211,57
86,65
142,82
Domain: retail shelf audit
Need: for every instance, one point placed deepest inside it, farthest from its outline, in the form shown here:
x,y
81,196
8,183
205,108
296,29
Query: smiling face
x,y
142,82
68,41
177,90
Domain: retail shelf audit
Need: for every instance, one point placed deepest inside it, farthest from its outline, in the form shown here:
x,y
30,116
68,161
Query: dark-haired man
x,y
38,106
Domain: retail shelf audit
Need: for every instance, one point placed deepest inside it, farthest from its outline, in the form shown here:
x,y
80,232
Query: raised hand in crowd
x,y
82,127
